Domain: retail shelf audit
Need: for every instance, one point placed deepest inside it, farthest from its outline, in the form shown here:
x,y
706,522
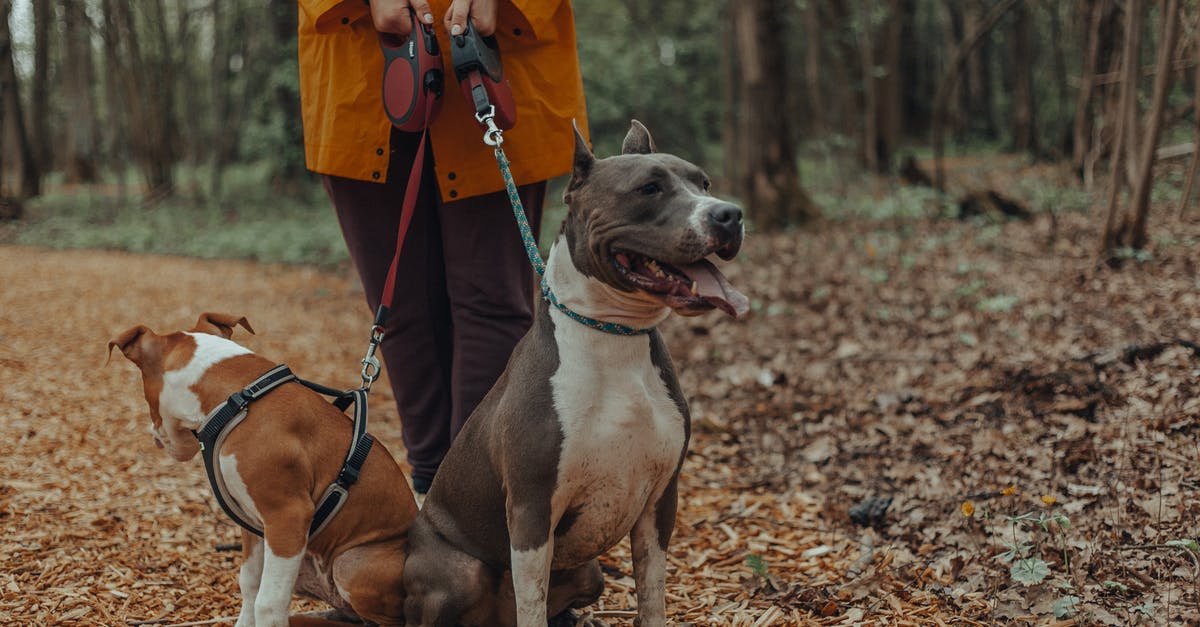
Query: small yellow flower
x,y
1009,491
1049,499
968,508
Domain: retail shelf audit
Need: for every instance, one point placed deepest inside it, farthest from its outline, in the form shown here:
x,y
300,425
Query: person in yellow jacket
x,y
464,287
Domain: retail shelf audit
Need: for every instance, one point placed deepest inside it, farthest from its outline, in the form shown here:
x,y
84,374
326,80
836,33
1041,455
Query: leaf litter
x,y
959,389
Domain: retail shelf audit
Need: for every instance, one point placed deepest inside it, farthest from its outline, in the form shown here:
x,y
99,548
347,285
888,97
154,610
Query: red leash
x,y
406,213
371,367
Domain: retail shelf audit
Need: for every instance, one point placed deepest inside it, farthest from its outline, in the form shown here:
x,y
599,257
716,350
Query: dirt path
x,y
1025,421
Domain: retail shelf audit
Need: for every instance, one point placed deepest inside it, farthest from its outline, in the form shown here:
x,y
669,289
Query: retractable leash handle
x,y
413,78
481,76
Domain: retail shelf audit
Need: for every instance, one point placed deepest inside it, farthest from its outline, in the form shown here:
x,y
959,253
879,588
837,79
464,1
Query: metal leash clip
x,y
492,135
371,368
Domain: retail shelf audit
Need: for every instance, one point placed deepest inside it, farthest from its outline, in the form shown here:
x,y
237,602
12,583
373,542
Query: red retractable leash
x,y
413,81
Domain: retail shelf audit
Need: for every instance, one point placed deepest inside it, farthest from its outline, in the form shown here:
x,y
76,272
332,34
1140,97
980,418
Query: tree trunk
x,y
845,100
957,26
31,178
887,85
148,109
79,141
978,79
1024,136
1082,130
116,132
1140,207
945,87
769,185
729,101
1112,224
287,101
219,88
812,69
1130,115
39,100
866,56
1195,160
1059,136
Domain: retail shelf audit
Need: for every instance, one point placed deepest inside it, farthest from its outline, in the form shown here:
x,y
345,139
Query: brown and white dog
x,y
277,464
580,441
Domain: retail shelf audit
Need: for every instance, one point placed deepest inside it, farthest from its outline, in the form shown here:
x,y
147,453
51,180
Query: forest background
x,y
968,392
194,103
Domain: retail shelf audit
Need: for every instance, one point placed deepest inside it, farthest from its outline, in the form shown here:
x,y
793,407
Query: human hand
x,y
481,12
392,16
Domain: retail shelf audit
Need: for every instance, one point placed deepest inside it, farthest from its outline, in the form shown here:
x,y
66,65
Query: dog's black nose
x,y
725,222
726,217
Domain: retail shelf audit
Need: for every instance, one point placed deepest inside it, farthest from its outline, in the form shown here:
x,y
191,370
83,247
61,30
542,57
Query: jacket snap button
x,y
451,176
453,194
375,175
379,151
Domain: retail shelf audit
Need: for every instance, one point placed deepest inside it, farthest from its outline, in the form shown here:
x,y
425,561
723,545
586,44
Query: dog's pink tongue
x,y
712,286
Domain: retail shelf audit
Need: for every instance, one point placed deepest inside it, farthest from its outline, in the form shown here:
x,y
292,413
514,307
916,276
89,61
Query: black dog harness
x,y
229,414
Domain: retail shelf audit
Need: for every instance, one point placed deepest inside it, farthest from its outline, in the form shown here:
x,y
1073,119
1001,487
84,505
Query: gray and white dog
x,y
581,439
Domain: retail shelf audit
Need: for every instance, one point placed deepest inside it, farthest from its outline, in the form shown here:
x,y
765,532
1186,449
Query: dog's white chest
x,y
623,436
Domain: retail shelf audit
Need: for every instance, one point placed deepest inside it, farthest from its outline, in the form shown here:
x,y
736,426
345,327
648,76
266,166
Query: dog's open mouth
x,y
687,288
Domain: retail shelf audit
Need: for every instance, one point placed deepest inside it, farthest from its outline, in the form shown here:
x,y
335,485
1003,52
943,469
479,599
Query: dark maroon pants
x,y
464,293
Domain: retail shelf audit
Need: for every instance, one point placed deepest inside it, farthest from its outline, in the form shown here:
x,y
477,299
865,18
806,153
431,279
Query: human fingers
x,y
481,12
392,16
423,12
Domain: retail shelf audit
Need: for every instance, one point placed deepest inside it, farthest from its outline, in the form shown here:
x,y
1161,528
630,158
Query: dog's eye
x,y
650,189
706,184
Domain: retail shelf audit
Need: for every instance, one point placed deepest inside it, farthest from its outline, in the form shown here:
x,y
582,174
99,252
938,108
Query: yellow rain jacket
x,y
346,130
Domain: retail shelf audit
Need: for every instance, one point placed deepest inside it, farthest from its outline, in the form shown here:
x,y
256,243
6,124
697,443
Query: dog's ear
x,y
220,324
637,140
582,165
132,344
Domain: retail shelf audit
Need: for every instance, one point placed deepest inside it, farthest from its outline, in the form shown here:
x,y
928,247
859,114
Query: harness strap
x,y
229,414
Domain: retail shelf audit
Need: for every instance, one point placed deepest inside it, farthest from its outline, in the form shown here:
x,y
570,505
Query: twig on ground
x,y
1190,553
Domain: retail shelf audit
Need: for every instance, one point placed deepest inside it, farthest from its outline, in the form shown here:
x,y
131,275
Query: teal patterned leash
x,y
535,257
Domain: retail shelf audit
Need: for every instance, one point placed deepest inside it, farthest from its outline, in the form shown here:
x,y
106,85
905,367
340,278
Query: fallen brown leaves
x,y
932,362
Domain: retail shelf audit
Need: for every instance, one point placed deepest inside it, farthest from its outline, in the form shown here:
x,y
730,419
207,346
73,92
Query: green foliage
x,y
1030,571
250,222
757,564
1066,606
1187,544
657,62
1050,197
906,203
1023,542
1001,303
1145,609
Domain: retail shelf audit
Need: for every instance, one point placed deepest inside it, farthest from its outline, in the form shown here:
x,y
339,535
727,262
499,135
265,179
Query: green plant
x,y
1023,538
758,565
